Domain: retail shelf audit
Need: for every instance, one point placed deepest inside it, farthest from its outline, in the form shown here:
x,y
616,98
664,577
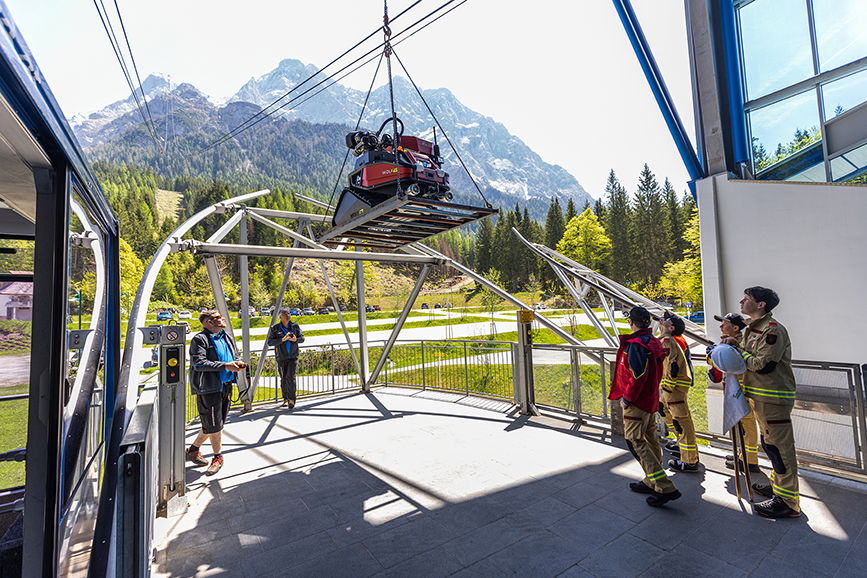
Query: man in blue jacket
x,y
284,337
214,366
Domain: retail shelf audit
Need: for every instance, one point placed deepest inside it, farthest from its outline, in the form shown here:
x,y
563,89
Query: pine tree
x,y
617,228
649,229
571,213
676,224
484,245
555,226
599,210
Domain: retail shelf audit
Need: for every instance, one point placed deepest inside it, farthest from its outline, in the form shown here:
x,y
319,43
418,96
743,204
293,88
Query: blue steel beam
x,y
658,88
734,82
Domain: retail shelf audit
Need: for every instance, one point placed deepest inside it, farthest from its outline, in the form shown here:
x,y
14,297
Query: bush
x,y
16,326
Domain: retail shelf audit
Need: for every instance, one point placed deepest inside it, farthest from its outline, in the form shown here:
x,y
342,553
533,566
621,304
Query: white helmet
x,y
728,359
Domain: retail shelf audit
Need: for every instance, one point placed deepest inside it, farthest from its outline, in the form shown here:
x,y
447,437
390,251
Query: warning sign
x,y
172,336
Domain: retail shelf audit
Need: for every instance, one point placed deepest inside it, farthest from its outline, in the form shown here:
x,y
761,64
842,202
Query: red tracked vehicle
x,y
375,176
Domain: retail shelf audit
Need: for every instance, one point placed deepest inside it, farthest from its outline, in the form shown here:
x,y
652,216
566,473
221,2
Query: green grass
x,y
13,434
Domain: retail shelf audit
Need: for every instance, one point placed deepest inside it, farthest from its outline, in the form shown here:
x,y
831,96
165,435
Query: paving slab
x,y
417,483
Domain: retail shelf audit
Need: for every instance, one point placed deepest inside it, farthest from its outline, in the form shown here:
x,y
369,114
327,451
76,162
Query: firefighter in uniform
x,y
636,384
732,325
675,383
769,385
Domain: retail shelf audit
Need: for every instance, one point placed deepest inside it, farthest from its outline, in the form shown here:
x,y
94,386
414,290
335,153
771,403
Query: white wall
x,y
806,241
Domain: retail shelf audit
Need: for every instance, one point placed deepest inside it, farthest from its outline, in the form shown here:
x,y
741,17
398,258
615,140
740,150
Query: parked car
x,y
185,325
185,315
330,309
266,311
322,311
164,316
540,306
697,317
437,306
368,308
295,311
309,311
377,308
343,308
424,306
155,355
251,311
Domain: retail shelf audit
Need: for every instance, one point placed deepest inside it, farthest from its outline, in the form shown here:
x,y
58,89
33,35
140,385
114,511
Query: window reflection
x,y
786,129
841,31
776,45
844,94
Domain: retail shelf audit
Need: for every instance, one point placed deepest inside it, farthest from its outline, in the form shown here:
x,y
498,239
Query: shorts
x,y
214,408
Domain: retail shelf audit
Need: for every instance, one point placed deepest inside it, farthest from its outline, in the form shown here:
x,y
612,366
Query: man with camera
x,y
214,366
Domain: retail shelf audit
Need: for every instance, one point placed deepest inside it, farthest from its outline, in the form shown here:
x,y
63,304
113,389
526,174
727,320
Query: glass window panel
x,y
776,45
844,94
785,129
841,31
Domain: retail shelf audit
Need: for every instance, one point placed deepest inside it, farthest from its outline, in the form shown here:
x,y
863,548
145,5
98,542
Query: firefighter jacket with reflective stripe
x,y
638,370
767,352
676,371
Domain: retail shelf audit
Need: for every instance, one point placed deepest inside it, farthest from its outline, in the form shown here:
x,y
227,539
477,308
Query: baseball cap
x,y
639,315
735,319
676,321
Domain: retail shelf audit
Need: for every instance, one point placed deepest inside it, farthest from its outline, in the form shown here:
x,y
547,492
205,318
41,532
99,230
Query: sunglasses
x,y
215,318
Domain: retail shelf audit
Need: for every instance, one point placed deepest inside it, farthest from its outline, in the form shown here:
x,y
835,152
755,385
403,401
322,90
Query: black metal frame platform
x,y
399,221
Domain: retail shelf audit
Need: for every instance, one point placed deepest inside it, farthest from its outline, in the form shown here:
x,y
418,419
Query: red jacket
x,y
638,370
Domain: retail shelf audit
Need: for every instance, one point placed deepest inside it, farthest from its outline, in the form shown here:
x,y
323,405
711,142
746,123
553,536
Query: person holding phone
x,y
284,337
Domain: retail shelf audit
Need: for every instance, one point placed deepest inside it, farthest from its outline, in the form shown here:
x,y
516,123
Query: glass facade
x,y
800,68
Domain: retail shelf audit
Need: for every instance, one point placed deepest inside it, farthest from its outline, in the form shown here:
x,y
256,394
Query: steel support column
x,y
245,302
42,497
363,352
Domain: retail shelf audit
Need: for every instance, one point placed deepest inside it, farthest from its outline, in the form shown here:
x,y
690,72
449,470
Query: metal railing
x,y
828,417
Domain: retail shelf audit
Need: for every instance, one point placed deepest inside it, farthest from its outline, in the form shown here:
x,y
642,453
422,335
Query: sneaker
x,y
679,466
763,489
196,457
640,487
216,464
672,446
775,508
730,464
676,454
656,500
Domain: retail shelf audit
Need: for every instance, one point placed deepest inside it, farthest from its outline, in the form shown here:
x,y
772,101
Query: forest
x,y
647,240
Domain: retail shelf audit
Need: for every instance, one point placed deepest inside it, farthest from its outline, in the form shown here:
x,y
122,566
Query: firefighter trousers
x,y
751,437
639,429
675,401
778,441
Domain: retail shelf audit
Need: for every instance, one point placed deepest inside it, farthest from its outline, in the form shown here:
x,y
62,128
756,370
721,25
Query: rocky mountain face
x,y
504,167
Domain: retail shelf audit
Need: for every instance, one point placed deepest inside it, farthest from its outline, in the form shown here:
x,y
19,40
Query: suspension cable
x,y
387,50
115,45
251,122
457,154
357,124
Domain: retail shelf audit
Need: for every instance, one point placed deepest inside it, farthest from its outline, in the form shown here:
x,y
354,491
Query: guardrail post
x,y
576,379
524,366
466,369
423,381
333,365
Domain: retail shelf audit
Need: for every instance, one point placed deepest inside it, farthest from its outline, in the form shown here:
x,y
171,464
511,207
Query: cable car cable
x,y
457,154
242,127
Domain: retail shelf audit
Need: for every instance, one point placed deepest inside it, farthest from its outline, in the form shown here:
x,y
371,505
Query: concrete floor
x,y
424,484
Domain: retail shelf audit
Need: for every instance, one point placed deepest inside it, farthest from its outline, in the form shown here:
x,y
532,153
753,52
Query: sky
x,y
559,74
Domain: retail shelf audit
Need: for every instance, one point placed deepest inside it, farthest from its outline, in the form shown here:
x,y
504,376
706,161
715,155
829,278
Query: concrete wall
x,y
807,241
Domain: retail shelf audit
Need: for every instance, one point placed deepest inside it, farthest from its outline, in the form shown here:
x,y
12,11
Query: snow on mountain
x,y
499,162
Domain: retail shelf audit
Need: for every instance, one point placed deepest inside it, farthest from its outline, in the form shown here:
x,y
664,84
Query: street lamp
x,y
78,300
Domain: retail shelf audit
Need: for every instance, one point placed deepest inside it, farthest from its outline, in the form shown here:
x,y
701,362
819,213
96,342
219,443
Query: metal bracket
x,y
77,337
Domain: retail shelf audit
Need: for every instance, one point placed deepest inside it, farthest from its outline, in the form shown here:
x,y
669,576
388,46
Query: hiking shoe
x,y
730,464
775,508
285,403
291,405
216,464
679,466
640,487
657,500
196,457
764,489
